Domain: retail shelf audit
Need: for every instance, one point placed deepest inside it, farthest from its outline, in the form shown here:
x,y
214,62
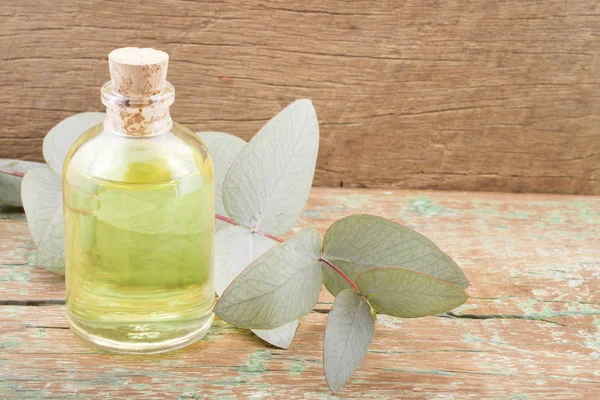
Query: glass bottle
x,y
139,218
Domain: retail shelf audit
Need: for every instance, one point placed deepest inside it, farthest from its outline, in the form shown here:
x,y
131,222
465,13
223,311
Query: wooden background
x,y
448,94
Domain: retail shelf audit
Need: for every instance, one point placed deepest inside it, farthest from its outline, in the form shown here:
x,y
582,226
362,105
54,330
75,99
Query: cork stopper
x,y
136,72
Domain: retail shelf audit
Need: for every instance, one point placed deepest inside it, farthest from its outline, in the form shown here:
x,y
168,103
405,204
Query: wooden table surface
x,y
530,330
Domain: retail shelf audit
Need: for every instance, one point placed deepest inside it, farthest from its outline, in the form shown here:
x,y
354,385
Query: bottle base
x,y
145,342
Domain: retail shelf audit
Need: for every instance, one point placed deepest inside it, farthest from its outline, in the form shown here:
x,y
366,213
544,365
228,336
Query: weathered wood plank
x,y
428,358
20,279
531,328
467,95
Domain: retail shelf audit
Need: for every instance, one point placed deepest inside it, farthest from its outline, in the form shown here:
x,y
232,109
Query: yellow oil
x,y
139,226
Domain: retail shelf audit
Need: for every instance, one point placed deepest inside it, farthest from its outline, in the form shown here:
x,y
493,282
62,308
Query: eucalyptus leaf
x,y
269,182
59,140
51,250
349,331
281,337
236,247
407,294
359,242
224,148
10,185
280,286
42,201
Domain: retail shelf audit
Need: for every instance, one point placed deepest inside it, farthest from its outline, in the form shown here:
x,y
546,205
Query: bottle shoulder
x,y
170,156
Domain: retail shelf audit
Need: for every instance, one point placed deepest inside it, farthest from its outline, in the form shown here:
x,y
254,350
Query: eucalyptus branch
x,y
13,173
225,219
268,235
323,259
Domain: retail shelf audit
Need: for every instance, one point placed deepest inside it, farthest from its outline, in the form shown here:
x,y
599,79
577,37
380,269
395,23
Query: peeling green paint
x,y
387,320
427,207
39,333
486,212
254,366
15,273
311,214
517,215
554,217
439,372
216,329
296,367
578,204
168,363
465,307
190,396
468,338
10,342
518,397
256,361
354,201
574,309
592,340
319,213
139,386
585,213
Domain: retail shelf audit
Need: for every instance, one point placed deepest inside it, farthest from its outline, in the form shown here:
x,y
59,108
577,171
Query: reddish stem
x,y
13,173
265,234
232,222
323,259
339,271
225,219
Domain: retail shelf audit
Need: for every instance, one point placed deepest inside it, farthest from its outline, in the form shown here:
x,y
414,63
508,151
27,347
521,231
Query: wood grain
x,y
531,328
467,95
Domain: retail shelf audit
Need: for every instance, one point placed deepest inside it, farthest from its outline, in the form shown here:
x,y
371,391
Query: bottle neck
x,y
138,117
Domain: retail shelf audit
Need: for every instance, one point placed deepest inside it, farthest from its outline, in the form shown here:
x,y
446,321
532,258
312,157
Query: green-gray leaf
x,y
223,149
235,248
59,140
10,185
280,286
348,334
359,242
42,201
281,337
269,182
51,250
407,294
